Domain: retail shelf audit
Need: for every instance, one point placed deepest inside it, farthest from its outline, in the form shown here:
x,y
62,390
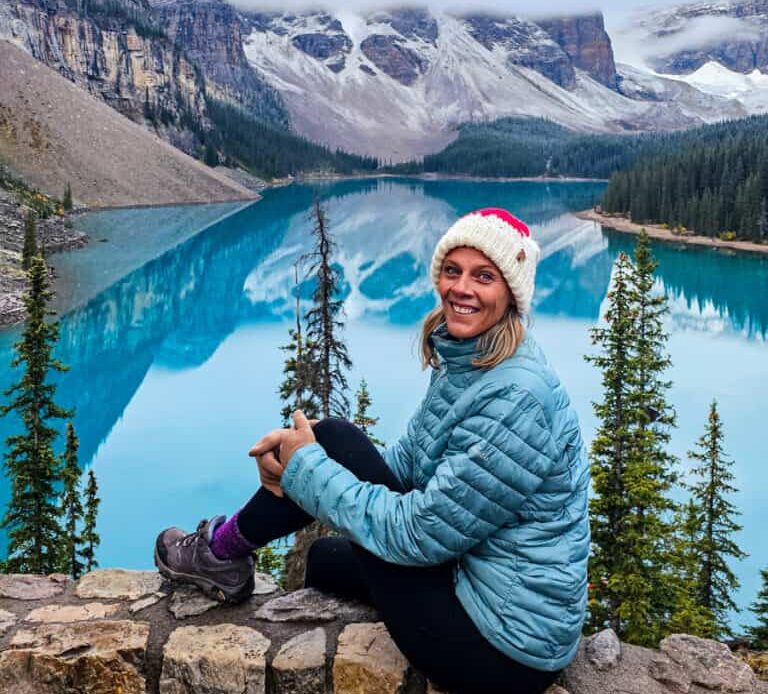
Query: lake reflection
x,y
175,367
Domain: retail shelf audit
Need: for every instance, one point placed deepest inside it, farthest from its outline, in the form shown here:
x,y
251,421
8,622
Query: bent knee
x,y
332,427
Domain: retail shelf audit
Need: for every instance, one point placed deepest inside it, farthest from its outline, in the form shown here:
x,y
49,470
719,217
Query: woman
x,y
470,534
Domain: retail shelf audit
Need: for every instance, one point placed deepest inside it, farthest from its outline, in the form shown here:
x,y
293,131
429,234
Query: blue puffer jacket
x,y
498,480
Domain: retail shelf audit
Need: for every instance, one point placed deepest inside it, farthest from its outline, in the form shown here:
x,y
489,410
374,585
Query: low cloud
x,y
636,46
520,7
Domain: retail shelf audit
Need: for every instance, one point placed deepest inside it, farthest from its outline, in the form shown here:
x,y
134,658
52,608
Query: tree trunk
x,y
296,558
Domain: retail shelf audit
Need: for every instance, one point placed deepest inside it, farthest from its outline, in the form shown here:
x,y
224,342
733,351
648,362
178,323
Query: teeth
x,y
462,309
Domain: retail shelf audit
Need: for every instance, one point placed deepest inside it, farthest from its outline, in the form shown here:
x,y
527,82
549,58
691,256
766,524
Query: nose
x,y
461,285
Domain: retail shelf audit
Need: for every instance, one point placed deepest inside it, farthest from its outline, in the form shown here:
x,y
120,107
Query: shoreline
x,y
655,231
449,177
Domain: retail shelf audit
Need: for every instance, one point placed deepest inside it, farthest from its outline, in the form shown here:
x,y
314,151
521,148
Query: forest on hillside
x,y
538,147
712,188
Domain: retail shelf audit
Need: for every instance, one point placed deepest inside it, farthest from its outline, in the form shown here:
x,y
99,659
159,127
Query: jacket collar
x,y
455,355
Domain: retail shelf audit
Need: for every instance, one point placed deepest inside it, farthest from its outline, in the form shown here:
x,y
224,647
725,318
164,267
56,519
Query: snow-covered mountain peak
x,y
397,83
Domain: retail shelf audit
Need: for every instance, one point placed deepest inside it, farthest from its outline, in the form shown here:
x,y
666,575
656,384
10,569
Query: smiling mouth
x,y
463,310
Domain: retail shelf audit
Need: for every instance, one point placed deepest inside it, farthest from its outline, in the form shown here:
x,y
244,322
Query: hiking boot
x,y
188,558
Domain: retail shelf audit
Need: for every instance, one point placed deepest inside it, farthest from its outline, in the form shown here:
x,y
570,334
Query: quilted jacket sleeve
x,y
496,462
399,460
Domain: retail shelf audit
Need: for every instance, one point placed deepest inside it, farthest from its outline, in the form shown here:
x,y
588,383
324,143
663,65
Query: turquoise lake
x,y
173,318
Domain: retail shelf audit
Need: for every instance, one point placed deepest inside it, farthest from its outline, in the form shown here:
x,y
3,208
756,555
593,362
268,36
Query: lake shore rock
x,y
657,231
54,234
114,630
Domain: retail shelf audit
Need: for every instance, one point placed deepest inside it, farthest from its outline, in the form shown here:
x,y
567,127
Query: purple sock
x,y
228,542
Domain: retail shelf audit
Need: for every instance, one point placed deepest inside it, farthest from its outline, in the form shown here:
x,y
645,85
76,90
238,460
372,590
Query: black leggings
x,y
418,604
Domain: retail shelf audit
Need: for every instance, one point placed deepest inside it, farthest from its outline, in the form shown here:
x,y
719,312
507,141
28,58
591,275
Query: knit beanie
x,y
501,237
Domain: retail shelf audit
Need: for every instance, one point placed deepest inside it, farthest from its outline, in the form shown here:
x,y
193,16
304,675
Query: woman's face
x,y
474,293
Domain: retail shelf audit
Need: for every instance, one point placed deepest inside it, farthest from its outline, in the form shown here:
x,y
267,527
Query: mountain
x,y
398,83
53,133
717,48
156,64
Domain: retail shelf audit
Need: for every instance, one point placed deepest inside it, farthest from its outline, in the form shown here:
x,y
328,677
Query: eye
x,y
450,269
486,277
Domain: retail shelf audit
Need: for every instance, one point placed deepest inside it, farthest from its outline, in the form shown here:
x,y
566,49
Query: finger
x,y
312,422
270,441
270,464
300,421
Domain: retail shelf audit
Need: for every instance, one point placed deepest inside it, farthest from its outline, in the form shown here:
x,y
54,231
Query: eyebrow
x,y
476,268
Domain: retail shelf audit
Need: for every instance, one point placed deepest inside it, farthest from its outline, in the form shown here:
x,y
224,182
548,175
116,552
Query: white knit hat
x,y
504,239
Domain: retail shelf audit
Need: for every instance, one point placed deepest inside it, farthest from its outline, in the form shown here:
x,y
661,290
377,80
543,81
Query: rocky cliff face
x,y
123,58
525,44
130,631
210,34
145,64
586,43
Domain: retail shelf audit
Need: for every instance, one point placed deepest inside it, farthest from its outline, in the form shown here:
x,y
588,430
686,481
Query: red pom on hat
x,y
505,216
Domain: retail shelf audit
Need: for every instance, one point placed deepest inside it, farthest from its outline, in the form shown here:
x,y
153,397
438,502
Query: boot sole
x,y
209,588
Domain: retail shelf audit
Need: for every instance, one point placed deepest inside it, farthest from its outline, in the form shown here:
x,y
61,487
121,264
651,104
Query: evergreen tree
x,y
609,452
90,537
716,581
759,634
689,616
361,418
32,516
630,571
300,387
67,200
71,507
330,356
29,250
329,359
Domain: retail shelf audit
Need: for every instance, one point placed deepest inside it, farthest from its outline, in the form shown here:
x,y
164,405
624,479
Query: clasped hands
x,y
275,449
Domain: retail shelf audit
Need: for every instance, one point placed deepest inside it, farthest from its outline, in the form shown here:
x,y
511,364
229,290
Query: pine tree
x,y
323,321
361,418
300,387
329,359
651,471
90,537
632,584
29,250
758,634
66,202
71,507
32,516
689,616
609,451
716,581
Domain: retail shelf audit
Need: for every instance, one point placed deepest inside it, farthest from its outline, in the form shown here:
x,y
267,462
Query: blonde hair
x,y
496,344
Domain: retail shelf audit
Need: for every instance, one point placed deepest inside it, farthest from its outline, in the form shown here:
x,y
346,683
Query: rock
x,y
263,584
604,649
7,620
630,674
670,674
218,659
311,605
84,657
29,587
299,666
145,602
367,660
554,689
118,583
72,613
709,664
189,602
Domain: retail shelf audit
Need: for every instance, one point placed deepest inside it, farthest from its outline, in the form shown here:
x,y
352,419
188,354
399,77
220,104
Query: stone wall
x,y
132,632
